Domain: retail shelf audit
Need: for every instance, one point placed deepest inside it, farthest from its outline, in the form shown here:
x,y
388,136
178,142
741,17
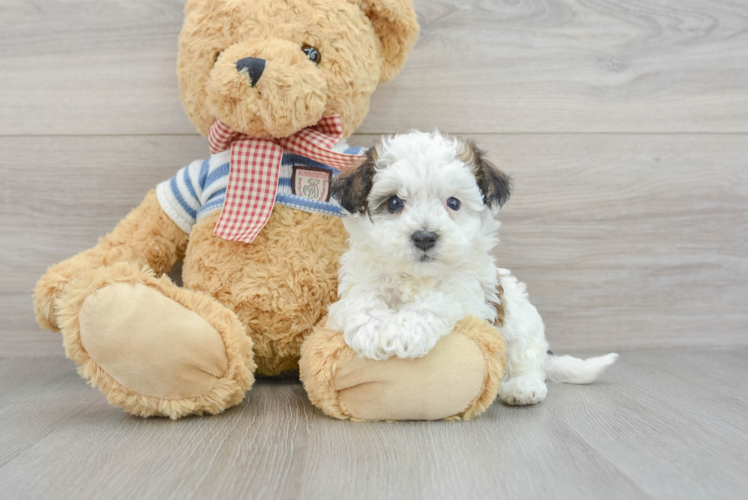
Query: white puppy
x,y
421,234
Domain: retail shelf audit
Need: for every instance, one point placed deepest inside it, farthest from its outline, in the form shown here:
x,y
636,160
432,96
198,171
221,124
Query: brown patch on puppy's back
x,y
500,306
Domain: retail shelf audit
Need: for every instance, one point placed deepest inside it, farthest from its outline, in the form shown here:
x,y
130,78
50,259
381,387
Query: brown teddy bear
x,y
275,85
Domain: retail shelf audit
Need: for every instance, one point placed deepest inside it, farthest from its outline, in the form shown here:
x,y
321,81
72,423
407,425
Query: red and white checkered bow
x,y
255,167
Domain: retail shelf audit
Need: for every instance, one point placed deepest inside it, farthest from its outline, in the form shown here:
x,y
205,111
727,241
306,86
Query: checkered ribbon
x,y
255,167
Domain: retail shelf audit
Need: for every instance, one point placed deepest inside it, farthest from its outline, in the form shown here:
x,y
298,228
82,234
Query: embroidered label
x,y
312,183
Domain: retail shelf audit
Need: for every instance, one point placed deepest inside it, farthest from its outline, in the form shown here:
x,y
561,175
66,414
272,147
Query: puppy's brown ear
x,y
395,24
352,188
495,185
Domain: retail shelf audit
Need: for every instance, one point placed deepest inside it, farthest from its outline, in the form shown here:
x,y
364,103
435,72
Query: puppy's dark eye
x,y
454,204
395,204
312,53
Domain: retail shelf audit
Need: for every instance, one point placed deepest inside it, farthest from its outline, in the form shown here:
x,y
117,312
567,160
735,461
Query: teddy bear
x,y
276,87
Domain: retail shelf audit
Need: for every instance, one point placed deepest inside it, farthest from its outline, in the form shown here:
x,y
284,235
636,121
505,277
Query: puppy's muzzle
x,y
254,67
425,240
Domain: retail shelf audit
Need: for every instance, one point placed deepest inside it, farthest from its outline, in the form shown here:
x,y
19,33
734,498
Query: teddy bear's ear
x,y
395,23
191,5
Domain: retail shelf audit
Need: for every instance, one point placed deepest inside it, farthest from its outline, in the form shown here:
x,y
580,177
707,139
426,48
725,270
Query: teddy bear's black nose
x,y
424,240
254,67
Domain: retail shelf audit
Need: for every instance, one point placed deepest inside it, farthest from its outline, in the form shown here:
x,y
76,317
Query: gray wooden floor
x,y
665,423
625,126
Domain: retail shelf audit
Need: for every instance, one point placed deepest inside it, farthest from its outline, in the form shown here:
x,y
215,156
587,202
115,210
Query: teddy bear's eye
x,y
312,53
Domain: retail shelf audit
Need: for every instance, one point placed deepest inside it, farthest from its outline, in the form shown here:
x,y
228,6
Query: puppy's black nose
x,y
424,239
254,67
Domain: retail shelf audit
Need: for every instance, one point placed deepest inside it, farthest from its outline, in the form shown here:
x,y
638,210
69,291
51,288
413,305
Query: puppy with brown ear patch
x,y
422,230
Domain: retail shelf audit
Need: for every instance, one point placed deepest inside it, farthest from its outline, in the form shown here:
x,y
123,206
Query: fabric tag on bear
x,y
311,183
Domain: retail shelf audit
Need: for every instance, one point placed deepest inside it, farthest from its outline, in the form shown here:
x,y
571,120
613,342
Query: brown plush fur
x,y
280,285
361,43
325,351
228,390
321,354
491,344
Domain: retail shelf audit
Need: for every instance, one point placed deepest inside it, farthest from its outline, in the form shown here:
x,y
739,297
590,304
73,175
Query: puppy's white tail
x,y
577,371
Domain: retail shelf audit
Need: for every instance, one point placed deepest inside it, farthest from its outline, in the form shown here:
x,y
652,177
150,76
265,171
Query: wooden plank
x,y
20,335
532,66
573,66
655,424
624,240
71,68
38,396
651,429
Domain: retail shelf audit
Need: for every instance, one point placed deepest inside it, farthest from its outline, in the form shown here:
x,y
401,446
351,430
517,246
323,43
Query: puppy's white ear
x,y
495,185
352,188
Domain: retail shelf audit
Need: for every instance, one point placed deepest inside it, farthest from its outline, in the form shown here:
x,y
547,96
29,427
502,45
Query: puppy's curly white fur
x,y
422,228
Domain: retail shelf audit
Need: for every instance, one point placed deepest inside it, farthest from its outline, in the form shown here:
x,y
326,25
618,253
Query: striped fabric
x,y
199,189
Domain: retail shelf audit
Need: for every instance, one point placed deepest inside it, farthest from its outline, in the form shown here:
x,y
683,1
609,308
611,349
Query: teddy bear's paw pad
x,y
150,344
439,385
523,390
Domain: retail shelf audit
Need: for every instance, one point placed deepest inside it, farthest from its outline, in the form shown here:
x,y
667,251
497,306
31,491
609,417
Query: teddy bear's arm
x,y
147,236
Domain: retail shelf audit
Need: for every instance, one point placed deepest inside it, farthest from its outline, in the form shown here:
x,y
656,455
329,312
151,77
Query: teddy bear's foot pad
x,y
433,387
151,347
459,378
151,344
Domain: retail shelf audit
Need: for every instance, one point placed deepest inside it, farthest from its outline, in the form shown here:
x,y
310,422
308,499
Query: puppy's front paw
x,y
408,336
523,390
404,336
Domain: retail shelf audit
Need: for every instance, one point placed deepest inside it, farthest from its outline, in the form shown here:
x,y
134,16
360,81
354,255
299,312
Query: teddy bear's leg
x,y
459,378
151,347
147,236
